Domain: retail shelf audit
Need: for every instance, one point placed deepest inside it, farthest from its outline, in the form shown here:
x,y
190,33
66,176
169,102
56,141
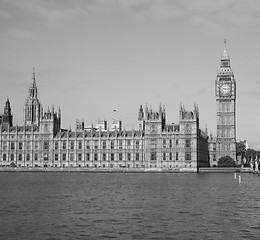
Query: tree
x,y
241,149
226,161
12,164
250,155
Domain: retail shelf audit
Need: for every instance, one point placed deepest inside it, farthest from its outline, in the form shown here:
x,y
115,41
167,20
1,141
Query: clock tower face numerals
x,y
225,89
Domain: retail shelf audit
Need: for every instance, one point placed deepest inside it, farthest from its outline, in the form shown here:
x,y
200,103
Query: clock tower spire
x,y
225,92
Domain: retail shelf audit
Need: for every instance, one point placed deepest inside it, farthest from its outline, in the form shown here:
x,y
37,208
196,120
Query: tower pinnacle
x,y
225,55
32,105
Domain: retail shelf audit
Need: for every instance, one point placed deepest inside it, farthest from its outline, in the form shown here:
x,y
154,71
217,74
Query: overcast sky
x,y
94,56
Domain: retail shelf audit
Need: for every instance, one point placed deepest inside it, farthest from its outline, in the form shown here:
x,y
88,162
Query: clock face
x,y
225,89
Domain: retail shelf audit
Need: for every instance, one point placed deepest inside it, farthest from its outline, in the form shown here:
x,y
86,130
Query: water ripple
x,y
128,206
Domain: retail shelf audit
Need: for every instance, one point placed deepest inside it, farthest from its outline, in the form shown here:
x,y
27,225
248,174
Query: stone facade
x,y
41,142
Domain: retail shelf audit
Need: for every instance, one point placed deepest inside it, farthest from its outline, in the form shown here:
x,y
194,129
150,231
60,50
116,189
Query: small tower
x,y
154,122
79,125
7,118
116,124
141,118
141,114
101,125
51,122
189,136
189,120
32,106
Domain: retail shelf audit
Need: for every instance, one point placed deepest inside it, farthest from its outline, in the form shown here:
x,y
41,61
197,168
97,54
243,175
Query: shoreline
x,y
95,170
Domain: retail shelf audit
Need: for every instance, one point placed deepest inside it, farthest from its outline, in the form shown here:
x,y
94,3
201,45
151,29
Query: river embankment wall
x,y
128,170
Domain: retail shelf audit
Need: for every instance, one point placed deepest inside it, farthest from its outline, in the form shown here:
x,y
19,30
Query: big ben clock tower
x,y
225,91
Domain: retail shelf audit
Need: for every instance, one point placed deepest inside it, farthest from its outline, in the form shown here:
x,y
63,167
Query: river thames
x,y
39,205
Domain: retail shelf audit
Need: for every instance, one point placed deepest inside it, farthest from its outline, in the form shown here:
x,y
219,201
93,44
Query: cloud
x,y
208,14
161,11
218,15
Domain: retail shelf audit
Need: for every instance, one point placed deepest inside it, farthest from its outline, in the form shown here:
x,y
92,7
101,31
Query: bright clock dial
x,y
225,89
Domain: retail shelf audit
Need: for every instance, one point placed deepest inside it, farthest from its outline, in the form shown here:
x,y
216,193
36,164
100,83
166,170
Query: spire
x,y
225,59
141,113
7,108
33,75
7,103
225,55
33,87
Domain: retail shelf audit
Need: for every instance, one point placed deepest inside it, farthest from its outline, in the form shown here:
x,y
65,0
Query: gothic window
x,y
129,156
64,145
46,157
120,156
214,147
71,145
170,156
64,157
228,146
87,145
79,145
187,143
46,145
96,142
12,157
56,145
112,144
95,156
170,143
120,143
56,157
112,157
164,156
187,156
137,144
36,145
87,156
164,143
104,157
36,157
27,157
153,156
12,145
20,157
153,143
137,156
4,157
79,156
104,144
4,145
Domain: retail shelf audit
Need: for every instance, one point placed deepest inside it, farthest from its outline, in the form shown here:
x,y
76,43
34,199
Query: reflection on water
x,y
129,206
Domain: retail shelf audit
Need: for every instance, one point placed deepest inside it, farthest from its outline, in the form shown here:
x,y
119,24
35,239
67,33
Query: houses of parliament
x,y
41,142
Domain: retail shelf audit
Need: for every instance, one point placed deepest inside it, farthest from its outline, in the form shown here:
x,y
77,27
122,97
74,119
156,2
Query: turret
x,y
50,121
141,114
7,118
32,106
154,121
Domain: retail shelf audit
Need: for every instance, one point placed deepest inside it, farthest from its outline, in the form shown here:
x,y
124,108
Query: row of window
x,y
79,145
26,145
102,165
96,156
